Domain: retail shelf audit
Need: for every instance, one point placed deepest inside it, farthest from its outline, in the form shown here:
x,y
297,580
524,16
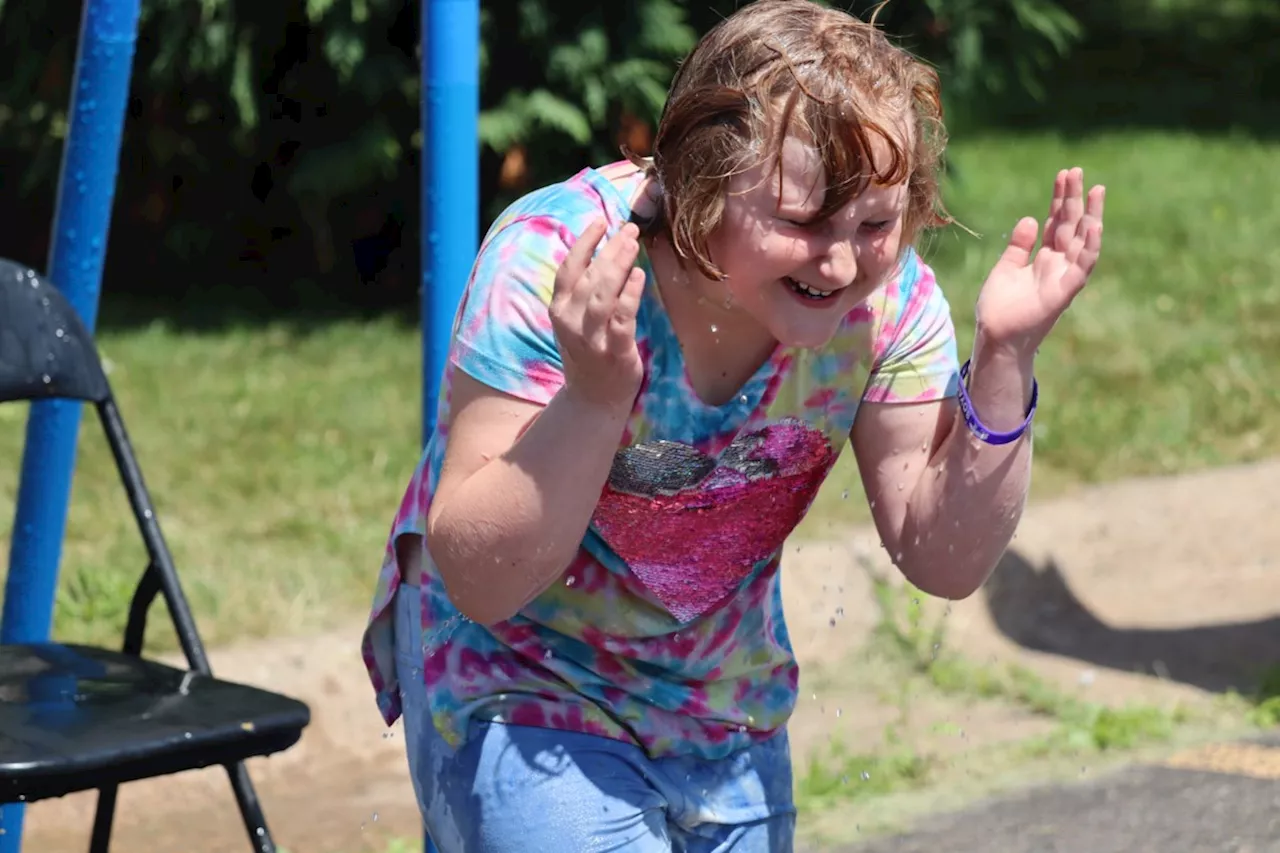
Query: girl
x,y
654,366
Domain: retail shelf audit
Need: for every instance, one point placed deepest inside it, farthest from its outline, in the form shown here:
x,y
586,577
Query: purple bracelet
x,y
978,428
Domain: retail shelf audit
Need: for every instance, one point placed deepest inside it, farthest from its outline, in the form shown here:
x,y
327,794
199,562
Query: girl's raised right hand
x,y
593,313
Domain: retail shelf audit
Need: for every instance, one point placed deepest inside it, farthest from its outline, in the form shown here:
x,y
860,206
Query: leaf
x,y
243,92
663,28
552,111
317,9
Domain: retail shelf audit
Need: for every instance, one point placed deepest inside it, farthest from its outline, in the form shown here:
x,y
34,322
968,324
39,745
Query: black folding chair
x,y
77,718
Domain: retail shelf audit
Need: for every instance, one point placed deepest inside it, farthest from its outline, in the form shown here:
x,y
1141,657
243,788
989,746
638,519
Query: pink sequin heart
x,y
692,528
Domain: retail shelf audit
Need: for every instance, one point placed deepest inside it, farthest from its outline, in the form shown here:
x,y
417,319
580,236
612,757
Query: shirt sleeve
x,y
914,355
502,334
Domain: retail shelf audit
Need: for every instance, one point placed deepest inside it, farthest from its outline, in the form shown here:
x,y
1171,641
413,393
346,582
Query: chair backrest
x,y
45,349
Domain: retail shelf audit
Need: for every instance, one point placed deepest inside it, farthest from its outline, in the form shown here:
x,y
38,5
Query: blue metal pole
x,y
450,178
450,185
86,189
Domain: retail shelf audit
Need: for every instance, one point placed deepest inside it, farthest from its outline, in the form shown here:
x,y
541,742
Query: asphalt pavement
x,y
1224,798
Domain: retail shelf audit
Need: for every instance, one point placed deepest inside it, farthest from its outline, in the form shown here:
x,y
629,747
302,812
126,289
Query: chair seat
x,y
74,718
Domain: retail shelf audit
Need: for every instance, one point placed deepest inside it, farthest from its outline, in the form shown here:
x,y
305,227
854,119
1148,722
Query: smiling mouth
x,y
808,292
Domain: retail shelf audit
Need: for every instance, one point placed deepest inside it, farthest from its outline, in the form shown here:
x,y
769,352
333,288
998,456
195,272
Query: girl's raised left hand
x,y
1028,290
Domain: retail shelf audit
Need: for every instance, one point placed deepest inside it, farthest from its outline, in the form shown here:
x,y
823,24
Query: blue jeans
x,y
514,789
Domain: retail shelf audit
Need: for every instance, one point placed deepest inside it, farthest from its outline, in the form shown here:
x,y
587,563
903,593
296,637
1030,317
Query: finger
x,y
622,326
585,291
608,273
1091,250
605,280
575,262
1077,274
1055,201
1072,211
1095,203
1022,242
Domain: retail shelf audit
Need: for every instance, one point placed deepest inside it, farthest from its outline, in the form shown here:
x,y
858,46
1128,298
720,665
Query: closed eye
x,y
882,225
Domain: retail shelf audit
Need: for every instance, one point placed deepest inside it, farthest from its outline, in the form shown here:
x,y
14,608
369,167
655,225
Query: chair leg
x,y
100,841
254,821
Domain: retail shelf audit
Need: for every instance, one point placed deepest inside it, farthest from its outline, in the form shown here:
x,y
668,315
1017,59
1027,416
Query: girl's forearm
x,y
508,531
969,500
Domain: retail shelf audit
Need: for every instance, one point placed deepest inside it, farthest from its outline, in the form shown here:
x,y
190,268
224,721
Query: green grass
x,y
276,460
277,456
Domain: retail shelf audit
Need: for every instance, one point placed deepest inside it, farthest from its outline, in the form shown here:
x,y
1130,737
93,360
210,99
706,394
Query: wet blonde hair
x,y
779,68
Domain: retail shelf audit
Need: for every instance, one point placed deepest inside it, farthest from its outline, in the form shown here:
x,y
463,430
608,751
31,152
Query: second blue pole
x,y
450,184
450,178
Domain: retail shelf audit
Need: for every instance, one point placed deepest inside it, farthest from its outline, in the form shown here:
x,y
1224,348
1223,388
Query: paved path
x,y
1219,799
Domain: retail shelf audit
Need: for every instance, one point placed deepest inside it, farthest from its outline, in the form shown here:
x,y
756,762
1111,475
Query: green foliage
x,y
1265,712
839,774
276,131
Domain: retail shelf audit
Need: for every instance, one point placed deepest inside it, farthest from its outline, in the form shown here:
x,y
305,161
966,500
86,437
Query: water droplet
x,y
570,580
844,495
714,328
59,332
840,612
901,486
866,777
46,379
844,780
839,711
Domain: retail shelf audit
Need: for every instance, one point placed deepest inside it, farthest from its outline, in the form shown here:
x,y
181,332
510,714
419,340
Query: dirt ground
x,y
1159,590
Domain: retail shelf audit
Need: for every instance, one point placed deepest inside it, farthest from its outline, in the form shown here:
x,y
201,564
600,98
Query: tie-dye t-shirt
x,y
666,630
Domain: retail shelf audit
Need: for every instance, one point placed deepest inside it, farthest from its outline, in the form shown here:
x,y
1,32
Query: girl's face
x,y
795,277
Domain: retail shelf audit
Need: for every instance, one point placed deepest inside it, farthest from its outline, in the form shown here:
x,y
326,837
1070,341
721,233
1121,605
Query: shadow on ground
x,y
1036,608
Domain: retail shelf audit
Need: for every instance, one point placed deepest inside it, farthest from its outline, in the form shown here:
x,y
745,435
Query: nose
x,y
839,265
